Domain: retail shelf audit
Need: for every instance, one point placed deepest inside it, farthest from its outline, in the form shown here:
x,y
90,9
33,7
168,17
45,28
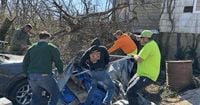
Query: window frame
x,y
194,7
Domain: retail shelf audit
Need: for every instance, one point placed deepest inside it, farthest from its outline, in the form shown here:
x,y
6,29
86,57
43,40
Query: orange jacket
x,y
125,43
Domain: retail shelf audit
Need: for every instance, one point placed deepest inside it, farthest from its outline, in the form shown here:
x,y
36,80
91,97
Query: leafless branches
x,y
170,9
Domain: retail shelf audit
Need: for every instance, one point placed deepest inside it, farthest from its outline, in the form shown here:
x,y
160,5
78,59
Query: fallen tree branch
x,y
120,6
60,8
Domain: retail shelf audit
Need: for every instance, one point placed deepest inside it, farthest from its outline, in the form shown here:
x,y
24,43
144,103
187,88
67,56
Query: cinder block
x,y
164,16
5,101
198,31
188,2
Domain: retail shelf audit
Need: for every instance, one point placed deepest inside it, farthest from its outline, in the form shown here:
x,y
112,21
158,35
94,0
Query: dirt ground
x,y
164,96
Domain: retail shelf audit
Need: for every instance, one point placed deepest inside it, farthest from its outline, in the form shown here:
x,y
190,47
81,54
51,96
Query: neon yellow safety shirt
x,y
150,66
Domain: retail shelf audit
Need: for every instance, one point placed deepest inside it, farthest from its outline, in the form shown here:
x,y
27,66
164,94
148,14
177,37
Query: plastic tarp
x,y
119,70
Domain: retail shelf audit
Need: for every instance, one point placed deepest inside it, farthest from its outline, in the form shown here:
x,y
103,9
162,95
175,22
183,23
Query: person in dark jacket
x,y
96,58
20,40
37,64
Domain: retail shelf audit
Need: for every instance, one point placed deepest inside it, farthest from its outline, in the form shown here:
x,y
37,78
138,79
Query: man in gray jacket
x,y
20,40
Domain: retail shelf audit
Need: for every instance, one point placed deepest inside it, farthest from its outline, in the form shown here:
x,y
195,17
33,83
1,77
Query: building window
x,y
188,9
196,8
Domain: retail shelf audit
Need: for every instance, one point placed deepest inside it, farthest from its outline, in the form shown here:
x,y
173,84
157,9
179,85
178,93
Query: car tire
x,y
21,93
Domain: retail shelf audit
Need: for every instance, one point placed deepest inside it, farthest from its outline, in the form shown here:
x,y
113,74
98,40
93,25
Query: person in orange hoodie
x,y
123,42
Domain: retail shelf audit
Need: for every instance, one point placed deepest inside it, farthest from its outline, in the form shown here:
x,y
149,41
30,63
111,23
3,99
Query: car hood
x,y
10,58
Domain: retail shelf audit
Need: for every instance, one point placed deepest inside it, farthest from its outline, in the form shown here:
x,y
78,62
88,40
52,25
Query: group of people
x,y
38,60
148,63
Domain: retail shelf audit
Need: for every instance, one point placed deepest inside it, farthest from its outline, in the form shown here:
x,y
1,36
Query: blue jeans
x,y
39,83
103,76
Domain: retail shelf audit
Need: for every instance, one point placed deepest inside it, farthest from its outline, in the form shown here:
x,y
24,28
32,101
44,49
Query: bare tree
x,y
62,18
3,6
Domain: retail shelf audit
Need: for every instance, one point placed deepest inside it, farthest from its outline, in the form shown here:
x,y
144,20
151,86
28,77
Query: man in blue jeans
x,y
37,64
96,58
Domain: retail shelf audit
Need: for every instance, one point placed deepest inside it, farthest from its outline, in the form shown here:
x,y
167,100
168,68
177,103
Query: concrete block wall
x,y
183,22
185,41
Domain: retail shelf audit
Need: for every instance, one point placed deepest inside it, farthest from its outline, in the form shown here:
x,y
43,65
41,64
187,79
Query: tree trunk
x,y
5,27
3,7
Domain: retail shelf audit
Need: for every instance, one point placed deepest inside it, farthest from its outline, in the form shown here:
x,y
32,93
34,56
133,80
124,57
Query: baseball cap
x,y
29,26
44,34
118,32
145,33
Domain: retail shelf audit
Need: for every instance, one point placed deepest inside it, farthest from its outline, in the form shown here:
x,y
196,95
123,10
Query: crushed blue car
x,y
119,71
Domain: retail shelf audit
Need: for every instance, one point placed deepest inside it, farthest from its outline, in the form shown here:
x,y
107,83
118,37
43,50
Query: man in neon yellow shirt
x,y
148,69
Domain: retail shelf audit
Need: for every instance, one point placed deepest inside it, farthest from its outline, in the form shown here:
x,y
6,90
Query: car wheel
x,y
21,93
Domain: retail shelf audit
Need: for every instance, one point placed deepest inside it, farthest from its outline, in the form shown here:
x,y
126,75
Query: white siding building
x,y
186,16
